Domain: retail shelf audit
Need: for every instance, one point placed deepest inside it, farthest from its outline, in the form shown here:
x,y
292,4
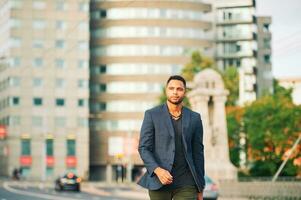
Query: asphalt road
x,y
9,191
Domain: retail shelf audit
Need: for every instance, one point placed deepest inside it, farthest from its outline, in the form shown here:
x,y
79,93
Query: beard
x,y
175,102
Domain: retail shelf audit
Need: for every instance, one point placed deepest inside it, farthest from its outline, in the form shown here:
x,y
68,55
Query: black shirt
x,y
180,169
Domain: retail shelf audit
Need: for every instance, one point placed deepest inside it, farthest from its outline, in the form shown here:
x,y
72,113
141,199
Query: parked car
x,y
68,182
211,191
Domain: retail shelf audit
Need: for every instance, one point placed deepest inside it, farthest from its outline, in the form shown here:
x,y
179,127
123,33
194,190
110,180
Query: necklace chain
x,y
176,117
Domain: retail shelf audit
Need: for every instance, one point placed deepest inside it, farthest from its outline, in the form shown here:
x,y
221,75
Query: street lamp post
x,y
286,159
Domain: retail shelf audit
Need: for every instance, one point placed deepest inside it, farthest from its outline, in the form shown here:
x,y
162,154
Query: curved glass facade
x,y
112,24
122,106
127,87
148,13
136,69
145,31
138,50
115,125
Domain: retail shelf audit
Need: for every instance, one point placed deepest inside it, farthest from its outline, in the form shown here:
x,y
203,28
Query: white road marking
x,y
43,196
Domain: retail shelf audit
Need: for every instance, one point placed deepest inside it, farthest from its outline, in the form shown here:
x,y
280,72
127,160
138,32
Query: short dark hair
x,y
176,77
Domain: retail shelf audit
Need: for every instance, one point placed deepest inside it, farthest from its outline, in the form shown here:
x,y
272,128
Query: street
x,y
27,191
12,190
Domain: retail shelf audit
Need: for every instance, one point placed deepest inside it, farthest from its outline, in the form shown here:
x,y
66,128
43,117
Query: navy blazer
x,y
157,145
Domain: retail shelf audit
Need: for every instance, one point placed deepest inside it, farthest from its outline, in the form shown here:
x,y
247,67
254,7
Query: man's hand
x,y
200,196
163,175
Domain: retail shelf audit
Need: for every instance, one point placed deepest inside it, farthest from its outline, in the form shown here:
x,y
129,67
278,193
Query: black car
x,y
211,191
68,182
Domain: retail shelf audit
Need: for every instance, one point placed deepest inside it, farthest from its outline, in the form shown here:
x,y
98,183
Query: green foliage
x,y
196,64
281,92
272,124
199,63
233,137
231,80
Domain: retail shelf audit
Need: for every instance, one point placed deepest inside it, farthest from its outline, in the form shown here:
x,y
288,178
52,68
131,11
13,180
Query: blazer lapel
x,y
185,124
167,121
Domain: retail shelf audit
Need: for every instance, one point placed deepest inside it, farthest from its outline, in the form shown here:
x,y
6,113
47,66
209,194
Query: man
x,y
171,148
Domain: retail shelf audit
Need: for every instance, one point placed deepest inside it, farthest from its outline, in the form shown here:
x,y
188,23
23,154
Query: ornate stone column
x,y
208,97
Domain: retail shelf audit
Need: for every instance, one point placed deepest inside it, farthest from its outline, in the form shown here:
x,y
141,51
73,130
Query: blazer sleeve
x,y
198,151
146,143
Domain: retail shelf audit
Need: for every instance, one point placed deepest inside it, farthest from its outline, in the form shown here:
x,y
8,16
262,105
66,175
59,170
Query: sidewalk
x,y
126,190
122,190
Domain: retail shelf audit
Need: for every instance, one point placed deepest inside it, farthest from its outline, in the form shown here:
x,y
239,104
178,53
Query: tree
x,y
199,63
231,80
272,124
234,119
196,64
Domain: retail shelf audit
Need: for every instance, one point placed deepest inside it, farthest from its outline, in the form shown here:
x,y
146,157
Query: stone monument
x,y
208,97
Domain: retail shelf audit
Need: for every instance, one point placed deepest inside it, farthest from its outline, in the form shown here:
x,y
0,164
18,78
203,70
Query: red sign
x,y
25,160
71,161
3,132
50,161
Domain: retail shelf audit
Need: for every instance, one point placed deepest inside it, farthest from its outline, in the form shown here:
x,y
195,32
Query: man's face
x,y
175,91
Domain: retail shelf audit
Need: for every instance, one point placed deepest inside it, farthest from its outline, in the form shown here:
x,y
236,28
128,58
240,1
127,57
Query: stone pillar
x,y
109,173
208,86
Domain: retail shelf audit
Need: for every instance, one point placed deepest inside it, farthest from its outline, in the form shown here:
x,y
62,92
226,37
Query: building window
x,y
14,81
102,69
37,101
267,59
38,24
60,44
61,25
60,102
37,121
15,42
82,46
49,147
103,13
60,63
266,28
82,122
38,62
61,5
15,120
266,43
82,83
83,26
25,147
60,83
238,48
15,101
15,23
83,7
49,171
102,87
102,106
81,102
82,64
71,147
38,43
16,4
60,121
37,82
15,62
39,5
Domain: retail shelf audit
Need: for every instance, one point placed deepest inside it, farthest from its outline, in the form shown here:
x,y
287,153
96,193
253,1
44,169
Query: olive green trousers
x,y
183,193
